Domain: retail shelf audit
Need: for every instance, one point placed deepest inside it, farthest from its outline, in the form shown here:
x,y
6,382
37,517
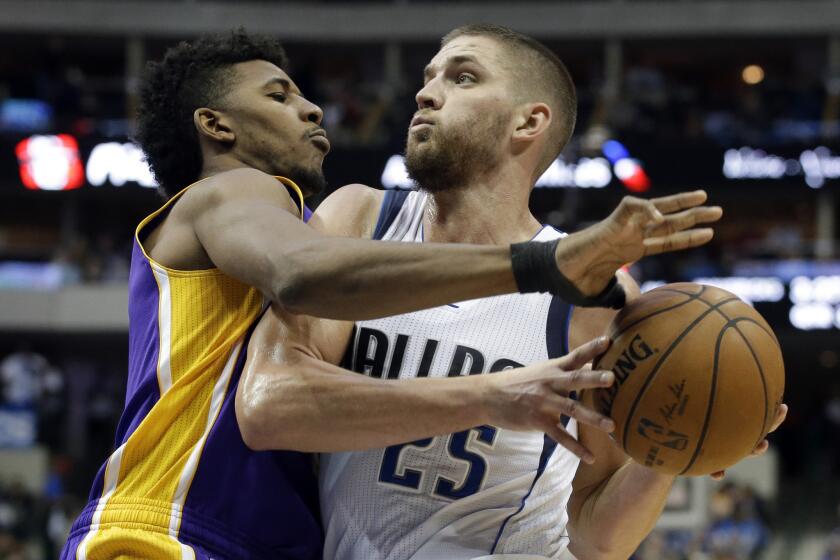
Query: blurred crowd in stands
x,y
33,524
57,424
737,530
688,91
102,260
81,259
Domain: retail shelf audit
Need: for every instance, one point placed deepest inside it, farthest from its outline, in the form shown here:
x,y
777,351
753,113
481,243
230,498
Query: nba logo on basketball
x,y
662,435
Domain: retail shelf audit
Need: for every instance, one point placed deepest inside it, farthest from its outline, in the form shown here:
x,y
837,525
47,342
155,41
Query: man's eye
x,y
281,97
464,78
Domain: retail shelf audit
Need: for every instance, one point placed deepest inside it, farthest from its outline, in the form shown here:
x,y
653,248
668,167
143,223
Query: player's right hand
x,y
537,397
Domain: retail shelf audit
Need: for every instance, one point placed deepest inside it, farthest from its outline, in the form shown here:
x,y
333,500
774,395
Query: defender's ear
x,y
213,125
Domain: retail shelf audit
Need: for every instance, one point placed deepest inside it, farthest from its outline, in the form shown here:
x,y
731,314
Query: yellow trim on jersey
x,y
123,542
294,187
204,271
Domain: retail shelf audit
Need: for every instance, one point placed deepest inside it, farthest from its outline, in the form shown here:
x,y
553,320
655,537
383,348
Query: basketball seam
x,y
717,308
691,297
668,288
711,402
661,361
731,323
755,357
761,375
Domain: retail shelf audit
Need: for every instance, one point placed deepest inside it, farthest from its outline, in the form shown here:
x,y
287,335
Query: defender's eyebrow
x,y
429,70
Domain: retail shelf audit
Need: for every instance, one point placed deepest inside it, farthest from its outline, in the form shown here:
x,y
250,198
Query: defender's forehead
x,y
263,74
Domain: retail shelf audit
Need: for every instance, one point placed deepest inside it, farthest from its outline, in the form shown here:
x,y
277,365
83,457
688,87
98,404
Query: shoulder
x,y
237,185
350,211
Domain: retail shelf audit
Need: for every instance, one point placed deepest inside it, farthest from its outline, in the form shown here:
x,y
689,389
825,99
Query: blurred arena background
x,y
740,97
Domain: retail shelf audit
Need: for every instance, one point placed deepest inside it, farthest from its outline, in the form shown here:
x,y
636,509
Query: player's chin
x,y
321,148
317,160
415,147
419,135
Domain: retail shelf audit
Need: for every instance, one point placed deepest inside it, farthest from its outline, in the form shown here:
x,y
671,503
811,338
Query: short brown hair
x,y
542,75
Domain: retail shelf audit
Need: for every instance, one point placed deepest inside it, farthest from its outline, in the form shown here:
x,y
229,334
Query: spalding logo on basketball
x,y
698,378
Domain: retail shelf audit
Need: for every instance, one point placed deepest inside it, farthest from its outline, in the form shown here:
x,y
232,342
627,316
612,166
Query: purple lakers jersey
x,y
181,482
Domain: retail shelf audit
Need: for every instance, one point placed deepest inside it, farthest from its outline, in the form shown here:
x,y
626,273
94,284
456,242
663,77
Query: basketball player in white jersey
x,y
495,111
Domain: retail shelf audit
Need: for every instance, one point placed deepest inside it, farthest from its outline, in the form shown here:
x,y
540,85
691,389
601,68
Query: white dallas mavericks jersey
x,y
465,495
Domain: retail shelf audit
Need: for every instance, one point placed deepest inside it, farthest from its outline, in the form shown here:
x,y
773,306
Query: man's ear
x,y
213,125
532,121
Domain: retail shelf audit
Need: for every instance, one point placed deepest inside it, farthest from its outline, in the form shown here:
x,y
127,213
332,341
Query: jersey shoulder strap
x,y
392,202
559,311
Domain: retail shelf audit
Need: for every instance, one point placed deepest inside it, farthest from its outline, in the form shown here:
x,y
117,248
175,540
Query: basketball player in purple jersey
x,y
495,111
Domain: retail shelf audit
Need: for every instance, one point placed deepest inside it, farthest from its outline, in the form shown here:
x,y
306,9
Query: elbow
x,y
254,440
264,423
253,431
255,422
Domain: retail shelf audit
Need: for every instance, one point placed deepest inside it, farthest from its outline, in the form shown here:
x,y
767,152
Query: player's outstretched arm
x,y
290,397
247,226
250,229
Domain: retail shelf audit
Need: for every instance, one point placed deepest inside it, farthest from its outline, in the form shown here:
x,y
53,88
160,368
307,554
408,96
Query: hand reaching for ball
x,y
761,448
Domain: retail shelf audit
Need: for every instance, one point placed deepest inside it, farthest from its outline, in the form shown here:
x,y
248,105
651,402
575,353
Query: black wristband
x,y
535,270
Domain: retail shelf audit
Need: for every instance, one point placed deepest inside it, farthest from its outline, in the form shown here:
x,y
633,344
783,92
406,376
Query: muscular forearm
x,y
354,279
617,515
313,406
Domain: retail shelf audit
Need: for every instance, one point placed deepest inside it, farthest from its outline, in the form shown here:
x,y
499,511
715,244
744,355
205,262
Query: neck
x,y
486,211
213,165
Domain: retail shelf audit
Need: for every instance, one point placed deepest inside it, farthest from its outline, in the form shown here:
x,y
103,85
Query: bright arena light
x,y
810,316
117,163
753,74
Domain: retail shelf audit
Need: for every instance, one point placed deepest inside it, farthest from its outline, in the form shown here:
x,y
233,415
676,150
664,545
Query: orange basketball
x,y
699,376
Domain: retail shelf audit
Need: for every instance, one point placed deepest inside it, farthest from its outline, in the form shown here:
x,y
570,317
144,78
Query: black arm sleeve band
x,y
535,270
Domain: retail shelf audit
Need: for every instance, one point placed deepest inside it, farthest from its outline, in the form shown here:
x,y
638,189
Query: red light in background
x,y
631,174
50,163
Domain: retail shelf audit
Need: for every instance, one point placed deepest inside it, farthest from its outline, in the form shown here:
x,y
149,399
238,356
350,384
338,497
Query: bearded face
x,y
442,155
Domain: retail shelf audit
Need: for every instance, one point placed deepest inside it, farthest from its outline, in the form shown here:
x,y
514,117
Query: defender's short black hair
x,y
541,75
191,75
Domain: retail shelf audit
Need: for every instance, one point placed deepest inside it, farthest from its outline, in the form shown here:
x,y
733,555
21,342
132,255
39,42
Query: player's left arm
x,y
615,501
